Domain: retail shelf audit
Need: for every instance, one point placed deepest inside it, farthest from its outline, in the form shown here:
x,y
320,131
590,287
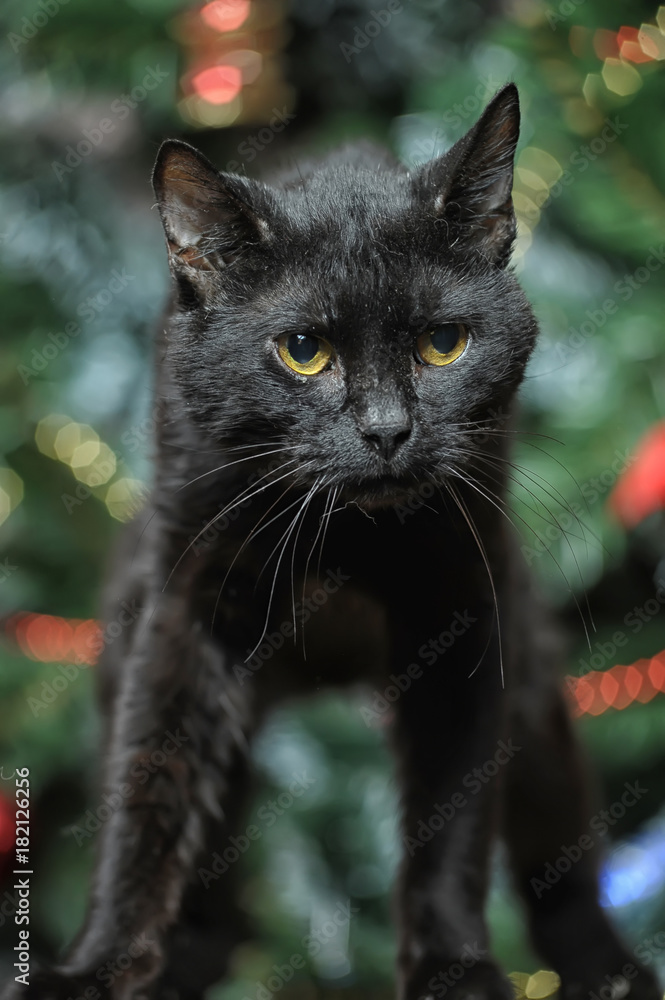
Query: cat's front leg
x,y
177,727
451,755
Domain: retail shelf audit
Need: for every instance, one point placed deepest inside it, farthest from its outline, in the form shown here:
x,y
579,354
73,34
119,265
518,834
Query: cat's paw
x,y
461,979
47,984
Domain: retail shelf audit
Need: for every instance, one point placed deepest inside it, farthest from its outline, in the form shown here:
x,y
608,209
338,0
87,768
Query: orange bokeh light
x,y
218,84
49,639
617,687
225,15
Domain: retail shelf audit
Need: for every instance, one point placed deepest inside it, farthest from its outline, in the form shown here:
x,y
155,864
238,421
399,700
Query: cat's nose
x,y
388,437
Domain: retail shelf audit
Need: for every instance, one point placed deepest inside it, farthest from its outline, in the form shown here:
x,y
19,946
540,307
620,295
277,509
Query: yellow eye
x,y
304,353
443,344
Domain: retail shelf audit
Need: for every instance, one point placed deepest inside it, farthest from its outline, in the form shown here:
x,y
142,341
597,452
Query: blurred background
x,y
89,90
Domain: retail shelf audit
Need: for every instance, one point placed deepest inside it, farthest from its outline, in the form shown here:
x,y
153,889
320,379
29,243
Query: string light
x,y
617,687
234,71
52,639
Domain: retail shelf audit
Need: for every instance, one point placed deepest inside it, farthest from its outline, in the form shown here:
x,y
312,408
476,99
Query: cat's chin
x,y
377,494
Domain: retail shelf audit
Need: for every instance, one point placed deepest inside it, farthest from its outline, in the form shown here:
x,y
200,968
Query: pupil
x,y
302,347
445,338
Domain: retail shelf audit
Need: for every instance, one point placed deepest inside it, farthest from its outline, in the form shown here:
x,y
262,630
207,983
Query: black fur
x,y
360,252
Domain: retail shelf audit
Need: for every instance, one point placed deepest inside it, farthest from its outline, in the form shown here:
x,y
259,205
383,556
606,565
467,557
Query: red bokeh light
x,y
641,488
7,825
218,84
629,45
225,15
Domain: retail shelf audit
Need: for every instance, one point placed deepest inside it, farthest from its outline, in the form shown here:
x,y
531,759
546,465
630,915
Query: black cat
x,y
343,342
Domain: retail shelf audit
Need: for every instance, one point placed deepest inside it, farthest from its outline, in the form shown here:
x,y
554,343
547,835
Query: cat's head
x,y
360,314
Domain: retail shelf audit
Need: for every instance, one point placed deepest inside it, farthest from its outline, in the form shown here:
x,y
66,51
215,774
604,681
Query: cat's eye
x,y
304,353
442,344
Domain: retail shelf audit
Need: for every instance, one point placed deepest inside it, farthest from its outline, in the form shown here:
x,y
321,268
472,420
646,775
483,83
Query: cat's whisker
x,y
241,498
325,529
481,548
492,463
530,474
256,530
293,559
567,535
287,534
309,557
228,465
499,504
496,460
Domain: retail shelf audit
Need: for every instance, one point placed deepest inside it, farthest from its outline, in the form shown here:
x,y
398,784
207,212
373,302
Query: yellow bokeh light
x,y
124,498
660,18
84,454
522,242
11,492
47,431
620,77
529,179
652,41
581,117
67,441
70,438
540,162
592,88
542,984
519,981
526,208
101,465
198,111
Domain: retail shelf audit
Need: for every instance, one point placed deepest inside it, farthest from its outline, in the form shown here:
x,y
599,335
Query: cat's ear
x,y
208,217
470,187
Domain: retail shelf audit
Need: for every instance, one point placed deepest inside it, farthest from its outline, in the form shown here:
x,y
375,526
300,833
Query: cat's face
x,y
359,315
